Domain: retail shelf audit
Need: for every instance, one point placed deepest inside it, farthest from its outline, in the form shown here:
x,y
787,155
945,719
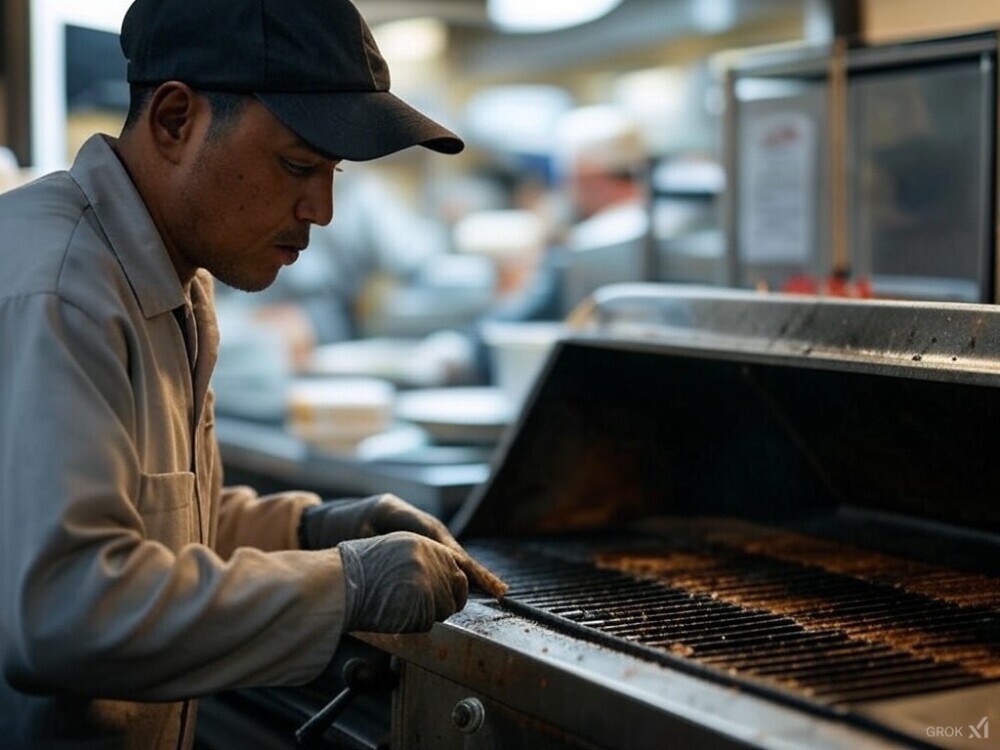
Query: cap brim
x,y
358,125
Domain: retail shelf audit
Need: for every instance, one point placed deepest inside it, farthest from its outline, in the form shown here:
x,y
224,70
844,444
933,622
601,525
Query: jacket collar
x,y
128,226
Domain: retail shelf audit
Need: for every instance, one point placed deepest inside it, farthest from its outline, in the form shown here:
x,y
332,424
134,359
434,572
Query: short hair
x,y
606,137
226,107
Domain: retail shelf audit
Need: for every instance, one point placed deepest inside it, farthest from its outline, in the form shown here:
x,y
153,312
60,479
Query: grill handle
x,y
360,675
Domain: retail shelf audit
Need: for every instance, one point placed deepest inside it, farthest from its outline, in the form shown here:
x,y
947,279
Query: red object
x,y
834,286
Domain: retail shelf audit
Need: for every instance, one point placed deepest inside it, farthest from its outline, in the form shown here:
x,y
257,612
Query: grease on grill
x,y
963,589
872,614
823,620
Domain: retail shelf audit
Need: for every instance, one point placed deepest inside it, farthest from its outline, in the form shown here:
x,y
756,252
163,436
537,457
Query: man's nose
x,y
316,205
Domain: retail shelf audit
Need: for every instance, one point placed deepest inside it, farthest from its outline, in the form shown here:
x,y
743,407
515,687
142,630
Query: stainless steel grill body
x,y
733,520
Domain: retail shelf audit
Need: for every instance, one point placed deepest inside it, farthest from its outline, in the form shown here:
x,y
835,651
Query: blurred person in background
x,y
131,581
603,159
598,204
565,240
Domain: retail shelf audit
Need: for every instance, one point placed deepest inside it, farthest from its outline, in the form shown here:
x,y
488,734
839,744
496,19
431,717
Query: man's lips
x,y
290,243
289,253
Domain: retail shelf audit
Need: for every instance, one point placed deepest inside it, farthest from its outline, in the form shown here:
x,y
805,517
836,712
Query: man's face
x,y
592,189
245,200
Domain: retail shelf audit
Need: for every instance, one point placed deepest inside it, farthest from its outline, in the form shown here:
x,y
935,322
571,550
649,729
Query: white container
x,y
338,413
517,353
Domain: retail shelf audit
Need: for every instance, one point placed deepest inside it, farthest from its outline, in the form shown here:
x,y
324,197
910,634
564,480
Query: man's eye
x,y
297,168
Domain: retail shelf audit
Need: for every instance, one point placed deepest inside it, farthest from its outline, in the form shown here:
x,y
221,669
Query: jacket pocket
x,y
165,504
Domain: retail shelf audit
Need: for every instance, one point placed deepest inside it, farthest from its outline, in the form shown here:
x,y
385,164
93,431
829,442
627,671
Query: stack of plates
x,y
457,415
336,414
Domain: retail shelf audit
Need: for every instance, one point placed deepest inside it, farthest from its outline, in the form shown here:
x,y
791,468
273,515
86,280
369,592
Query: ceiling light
x,y
411,39
713,16
545,15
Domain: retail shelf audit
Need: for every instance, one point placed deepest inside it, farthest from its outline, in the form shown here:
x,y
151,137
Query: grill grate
x,y
832,633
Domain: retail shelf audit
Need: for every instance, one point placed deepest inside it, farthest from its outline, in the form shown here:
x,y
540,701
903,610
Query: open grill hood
x,y
758,406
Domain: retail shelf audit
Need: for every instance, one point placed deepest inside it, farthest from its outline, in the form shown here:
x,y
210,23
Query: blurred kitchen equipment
x,y
512,239
254,369
433,360
336,414
517,353
865,170
474,415
448,291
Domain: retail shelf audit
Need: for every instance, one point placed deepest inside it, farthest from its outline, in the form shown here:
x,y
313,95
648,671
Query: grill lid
x,y
765,407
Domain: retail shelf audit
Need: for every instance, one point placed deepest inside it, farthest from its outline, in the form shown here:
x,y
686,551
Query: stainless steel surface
x,y
953,340
565,686
732,519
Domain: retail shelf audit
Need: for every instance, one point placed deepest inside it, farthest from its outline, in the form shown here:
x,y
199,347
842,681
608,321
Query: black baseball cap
x,y
313,63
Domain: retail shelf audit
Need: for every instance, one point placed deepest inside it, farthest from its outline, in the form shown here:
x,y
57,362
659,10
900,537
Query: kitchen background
x,y
817,147
807,146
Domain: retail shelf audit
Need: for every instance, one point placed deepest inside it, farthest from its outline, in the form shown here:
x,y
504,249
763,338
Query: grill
x,y
777,624
733,520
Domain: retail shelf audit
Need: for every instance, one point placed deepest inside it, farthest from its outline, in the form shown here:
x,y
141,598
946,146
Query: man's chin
x,y
246,284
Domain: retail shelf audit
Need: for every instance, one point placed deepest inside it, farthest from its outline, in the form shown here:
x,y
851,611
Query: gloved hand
x,y
330,523
335,521
401,582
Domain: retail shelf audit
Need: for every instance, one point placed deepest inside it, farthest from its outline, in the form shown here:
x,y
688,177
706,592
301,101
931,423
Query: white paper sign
x,y
777,188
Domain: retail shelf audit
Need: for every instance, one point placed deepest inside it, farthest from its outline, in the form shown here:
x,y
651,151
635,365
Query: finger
x,y
398,515
481,577
459,589
431,527
439,532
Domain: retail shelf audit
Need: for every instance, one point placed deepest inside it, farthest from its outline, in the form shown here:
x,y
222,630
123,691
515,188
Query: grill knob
x,y
468,715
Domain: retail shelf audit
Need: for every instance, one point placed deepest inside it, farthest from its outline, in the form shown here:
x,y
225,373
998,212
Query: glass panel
x,y
920,183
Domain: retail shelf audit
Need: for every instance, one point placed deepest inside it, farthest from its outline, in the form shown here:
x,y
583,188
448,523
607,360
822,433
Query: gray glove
x,y
330,523
336,521
401,583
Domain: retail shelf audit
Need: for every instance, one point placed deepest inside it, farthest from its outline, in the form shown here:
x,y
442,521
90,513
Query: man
x,y
376,235
603,159
131,581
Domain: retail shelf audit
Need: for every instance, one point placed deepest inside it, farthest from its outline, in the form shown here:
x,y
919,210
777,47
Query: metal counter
x,y
264,455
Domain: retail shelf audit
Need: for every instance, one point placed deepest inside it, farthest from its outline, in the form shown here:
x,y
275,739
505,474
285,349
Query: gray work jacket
x,y
131,582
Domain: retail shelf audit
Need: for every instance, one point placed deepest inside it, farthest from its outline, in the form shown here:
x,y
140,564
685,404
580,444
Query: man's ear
x,y
174,110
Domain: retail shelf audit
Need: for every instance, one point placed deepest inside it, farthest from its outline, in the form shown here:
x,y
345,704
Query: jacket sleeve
x,y
268,523
91,603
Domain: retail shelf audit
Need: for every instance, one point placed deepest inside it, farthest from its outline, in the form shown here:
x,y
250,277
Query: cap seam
x,y
264,39
364,51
